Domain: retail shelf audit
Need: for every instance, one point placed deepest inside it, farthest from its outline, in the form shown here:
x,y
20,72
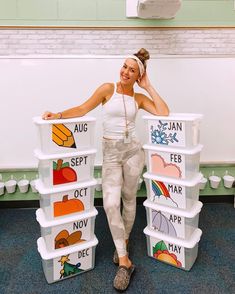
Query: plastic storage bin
x,y
174,222
170,192
68,231
65,201
172,162
67,262
176,252
65,135
63,169
175,130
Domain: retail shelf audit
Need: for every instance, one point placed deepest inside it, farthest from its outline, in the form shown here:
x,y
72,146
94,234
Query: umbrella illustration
x,y
161,223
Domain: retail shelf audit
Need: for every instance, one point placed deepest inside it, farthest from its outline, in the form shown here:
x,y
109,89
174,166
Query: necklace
x,y
127,137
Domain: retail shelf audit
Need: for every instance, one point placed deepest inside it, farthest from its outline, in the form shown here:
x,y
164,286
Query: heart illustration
x,y
159,166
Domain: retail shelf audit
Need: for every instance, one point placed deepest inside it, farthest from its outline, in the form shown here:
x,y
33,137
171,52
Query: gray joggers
x,y
122,166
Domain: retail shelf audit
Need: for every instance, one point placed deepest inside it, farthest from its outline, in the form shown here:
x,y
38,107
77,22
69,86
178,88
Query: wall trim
x,y
99,166
115,27
94,56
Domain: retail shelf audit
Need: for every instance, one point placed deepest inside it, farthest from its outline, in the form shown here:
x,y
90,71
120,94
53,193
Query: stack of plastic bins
x,y
172,182
66,187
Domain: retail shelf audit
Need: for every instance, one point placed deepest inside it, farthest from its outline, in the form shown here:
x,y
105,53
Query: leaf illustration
x,y
159,246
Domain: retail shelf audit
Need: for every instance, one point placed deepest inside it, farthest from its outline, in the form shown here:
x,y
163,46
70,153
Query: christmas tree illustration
x,y
68,268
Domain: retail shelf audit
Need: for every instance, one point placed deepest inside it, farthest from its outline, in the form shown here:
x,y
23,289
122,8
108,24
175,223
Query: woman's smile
x,y
125,77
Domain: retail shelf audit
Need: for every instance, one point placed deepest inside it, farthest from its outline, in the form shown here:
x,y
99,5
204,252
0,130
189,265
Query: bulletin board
x,y
31,85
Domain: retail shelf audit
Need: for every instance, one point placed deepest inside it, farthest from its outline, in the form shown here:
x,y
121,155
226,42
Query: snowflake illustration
x,y
159,136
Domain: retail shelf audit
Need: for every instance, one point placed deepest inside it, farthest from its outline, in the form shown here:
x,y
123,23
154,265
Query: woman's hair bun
x,y
143,55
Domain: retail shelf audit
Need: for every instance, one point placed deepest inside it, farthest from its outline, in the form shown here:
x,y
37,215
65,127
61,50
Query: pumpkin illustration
x,y
67,206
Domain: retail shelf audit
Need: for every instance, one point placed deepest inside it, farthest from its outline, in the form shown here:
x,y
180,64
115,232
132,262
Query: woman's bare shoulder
x,y
139,97
108,87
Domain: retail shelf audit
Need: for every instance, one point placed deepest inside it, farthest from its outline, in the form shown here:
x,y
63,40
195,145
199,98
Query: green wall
x,y
110,13
207,170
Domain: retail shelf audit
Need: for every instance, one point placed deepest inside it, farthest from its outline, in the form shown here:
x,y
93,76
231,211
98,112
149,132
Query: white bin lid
x,y
40,216
176,116
43,191
39,121
65,250
191,213
188,183
187,243
186,151
42,156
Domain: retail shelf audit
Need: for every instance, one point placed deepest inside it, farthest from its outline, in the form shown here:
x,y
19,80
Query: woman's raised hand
x,y
144,81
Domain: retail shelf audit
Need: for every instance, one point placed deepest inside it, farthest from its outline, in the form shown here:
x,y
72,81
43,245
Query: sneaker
x,y
122,278
115,255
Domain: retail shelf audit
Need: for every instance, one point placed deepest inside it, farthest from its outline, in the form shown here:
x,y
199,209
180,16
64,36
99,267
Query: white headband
x,y
139,62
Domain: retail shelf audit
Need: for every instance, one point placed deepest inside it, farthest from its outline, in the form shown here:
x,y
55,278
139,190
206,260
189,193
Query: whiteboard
x,y
30,85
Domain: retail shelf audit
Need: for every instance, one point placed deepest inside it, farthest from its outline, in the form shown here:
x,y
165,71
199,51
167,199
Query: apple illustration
x,y
63,174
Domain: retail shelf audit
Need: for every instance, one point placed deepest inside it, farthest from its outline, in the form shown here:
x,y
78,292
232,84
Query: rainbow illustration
x,y
159,189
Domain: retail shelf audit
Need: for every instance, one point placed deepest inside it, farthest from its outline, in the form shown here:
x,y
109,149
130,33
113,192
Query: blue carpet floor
x,y
213,272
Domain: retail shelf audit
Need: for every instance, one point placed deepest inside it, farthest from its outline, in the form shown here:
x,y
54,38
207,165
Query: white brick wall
x,y
117,41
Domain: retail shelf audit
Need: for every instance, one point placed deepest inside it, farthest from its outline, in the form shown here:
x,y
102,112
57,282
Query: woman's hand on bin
x,y
50,115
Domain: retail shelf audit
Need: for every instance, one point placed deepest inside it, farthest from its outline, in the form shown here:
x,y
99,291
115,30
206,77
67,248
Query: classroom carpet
x,y
213,272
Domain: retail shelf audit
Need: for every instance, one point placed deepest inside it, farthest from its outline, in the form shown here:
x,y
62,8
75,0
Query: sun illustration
x,y
161,253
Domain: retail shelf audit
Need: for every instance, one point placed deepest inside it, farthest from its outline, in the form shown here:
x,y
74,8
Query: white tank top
x,y
114,121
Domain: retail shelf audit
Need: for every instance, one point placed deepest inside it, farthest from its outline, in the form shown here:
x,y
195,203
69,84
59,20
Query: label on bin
x,y
167,164
70,233
71,169
171,133
72,264
71,135
168,194
72,201
166,223
167,252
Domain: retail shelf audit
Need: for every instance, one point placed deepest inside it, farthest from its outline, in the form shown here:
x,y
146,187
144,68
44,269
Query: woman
x,y
123,157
